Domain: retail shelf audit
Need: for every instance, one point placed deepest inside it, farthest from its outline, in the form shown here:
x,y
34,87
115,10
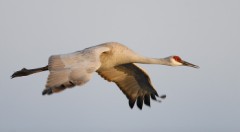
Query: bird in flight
x,y
112,61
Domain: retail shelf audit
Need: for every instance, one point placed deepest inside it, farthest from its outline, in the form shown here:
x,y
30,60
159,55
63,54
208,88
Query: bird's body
x,y
113,61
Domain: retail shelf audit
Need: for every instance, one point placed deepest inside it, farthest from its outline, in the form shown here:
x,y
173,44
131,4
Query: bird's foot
x,y
23,72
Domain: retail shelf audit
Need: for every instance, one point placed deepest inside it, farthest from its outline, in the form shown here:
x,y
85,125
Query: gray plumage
x,y
112,61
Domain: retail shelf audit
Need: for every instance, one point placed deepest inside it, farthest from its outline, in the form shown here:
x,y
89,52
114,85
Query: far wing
x,y
69,70
133,82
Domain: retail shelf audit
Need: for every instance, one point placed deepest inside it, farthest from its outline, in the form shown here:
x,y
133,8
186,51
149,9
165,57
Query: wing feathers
x,y
76,68
147,100
72,69
56,78
140,102
133,82
55,63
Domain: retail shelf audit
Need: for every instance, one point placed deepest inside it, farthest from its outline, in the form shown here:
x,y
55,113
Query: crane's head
x,y
177,61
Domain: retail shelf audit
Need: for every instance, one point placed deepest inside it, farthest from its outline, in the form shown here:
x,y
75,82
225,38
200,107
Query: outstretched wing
x,y
133,82
69,70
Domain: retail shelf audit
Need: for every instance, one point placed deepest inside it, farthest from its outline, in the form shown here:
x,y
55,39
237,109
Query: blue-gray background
x,y
204,32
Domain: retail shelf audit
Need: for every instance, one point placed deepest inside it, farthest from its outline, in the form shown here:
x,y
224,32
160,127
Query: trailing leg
x,y
26,72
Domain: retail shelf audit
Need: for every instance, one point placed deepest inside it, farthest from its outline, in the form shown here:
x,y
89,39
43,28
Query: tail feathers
x,y
26,72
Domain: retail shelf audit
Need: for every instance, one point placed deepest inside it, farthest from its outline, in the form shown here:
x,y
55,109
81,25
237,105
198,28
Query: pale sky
x,y
203,32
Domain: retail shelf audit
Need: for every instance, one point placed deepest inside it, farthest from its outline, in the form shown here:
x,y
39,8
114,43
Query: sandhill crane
x,y
112,61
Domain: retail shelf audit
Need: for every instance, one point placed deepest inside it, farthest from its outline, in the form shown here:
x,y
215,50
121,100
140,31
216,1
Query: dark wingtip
x,y
140,102
153,97
147,100
44,92
163,96
131,103
47,91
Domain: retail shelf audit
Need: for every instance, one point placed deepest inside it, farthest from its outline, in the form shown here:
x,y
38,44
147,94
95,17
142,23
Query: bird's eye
x,y
177,58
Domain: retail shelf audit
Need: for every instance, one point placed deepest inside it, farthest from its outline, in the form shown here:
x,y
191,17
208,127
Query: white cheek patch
x,y
176,63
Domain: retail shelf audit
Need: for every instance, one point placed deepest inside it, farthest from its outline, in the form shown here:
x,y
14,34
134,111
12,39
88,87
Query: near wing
x,y
69,70
133,82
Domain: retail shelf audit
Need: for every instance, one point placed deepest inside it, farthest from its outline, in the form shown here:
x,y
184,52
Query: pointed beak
x,y
189,64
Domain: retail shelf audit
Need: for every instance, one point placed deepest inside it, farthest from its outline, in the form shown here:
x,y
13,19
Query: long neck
x,y
146,60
